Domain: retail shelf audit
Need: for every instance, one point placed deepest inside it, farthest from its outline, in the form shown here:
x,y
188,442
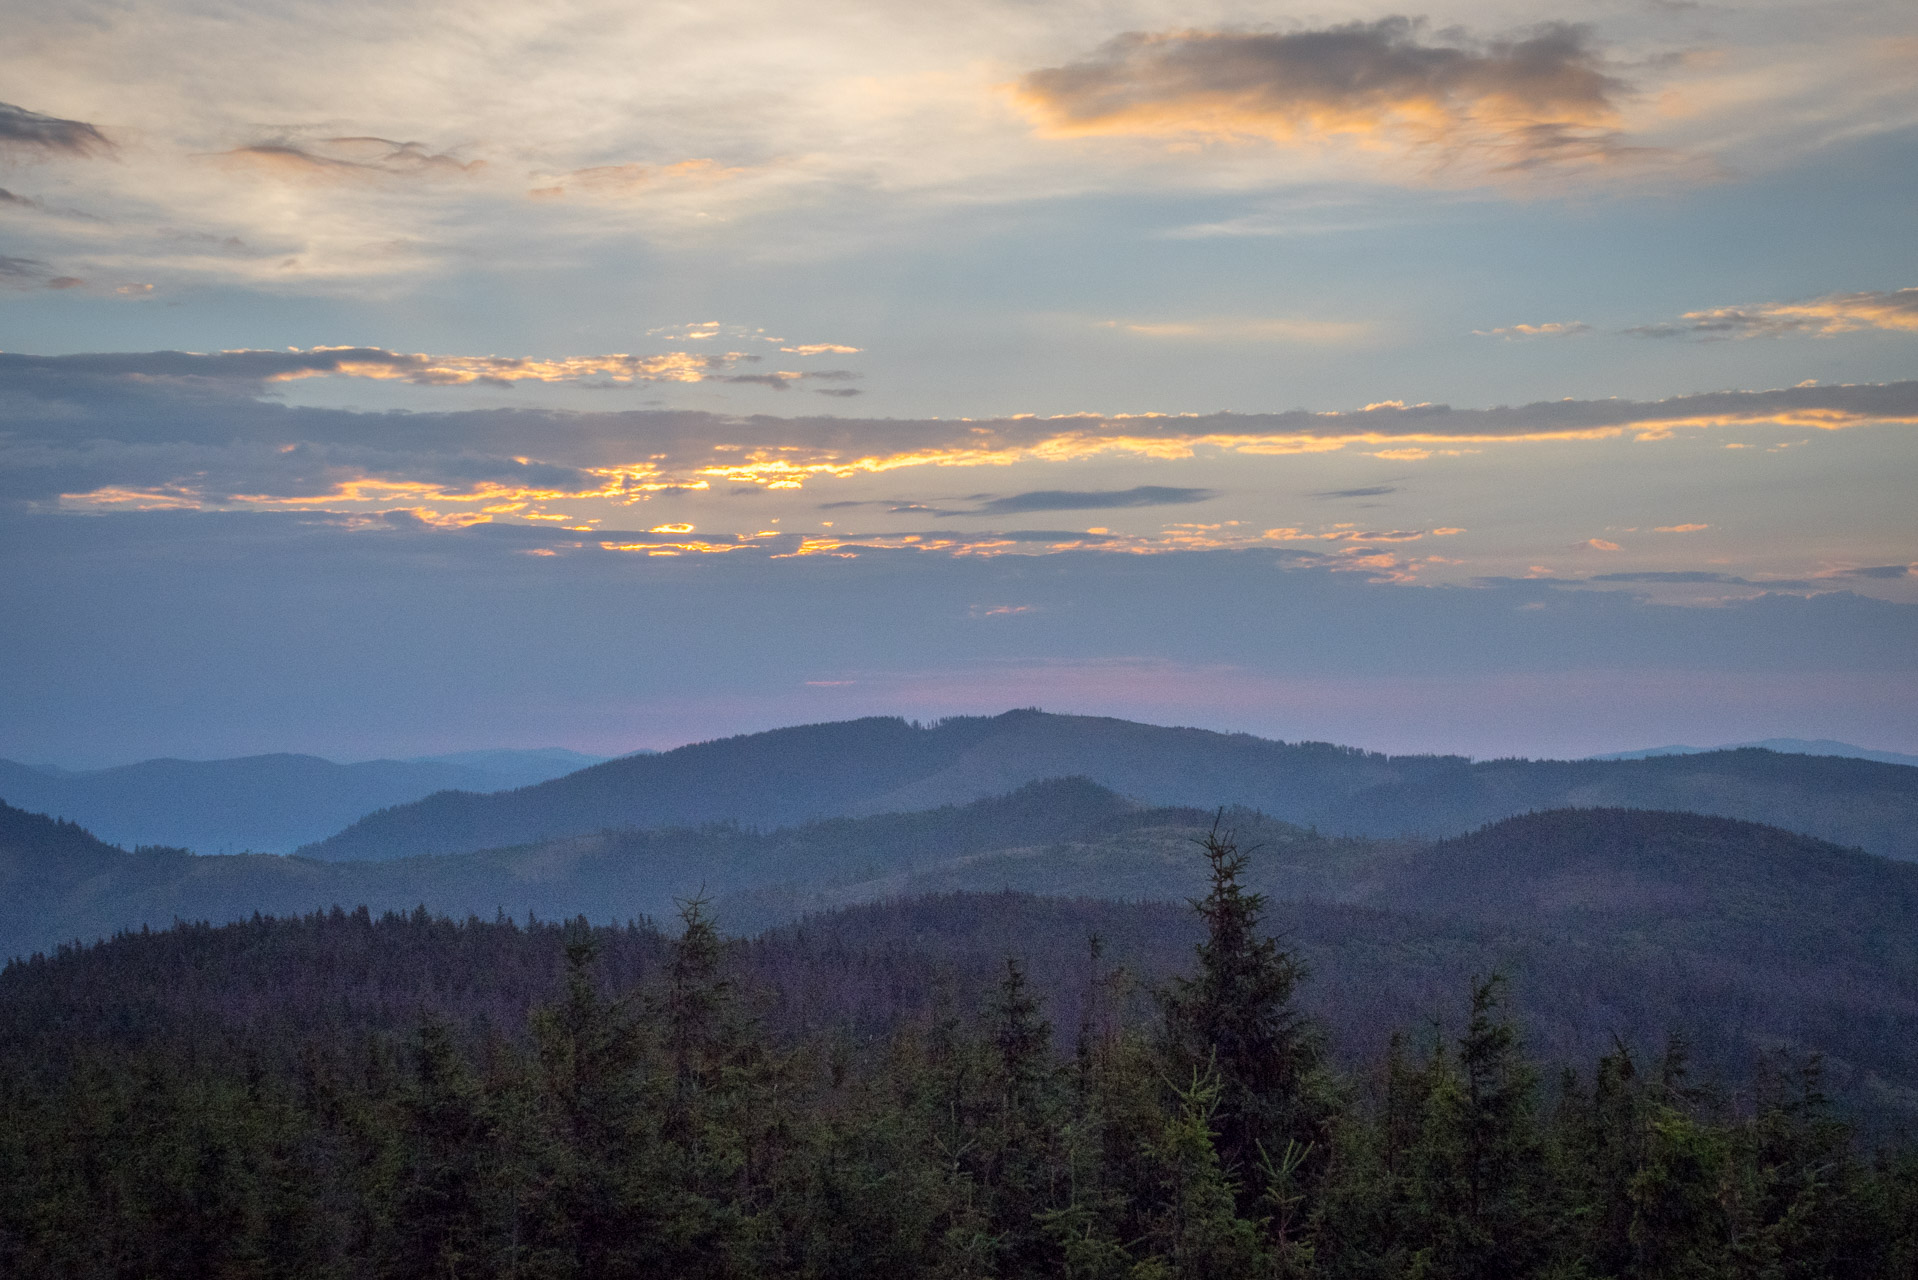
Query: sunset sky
x,y
379,379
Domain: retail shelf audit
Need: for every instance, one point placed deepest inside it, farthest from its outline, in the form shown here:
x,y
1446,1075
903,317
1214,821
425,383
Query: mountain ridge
x,y
1784,746
882,764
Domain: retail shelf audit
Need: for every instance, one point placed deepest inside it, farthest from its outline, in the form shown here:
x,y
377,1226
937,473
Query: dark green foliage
x,y
341,1096
1235,1024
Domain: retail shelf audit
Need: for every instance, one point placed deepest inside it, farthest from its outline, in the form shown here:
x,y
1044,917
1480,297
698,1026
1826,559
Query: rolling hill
x,y
1612,920
1610,923
860,767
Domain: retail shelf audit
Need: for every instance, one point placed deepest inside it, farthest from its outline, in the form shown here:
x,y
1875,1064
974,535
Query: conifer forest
x,y
617,1102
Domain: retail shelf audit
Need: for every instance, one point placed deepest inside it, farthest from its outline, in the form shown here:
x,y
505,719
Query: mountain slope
x,y
505,768
885,765
267,804
65,885
764,779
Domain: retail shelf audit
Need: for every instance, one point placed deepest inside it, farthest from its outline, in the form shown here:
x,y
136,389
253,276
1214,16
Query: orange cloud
x,y
430,370
1540,100
1824,317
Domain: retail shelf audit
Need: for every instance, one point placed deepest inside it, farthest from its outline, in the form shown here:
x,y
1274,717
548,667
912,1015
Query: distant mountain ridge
x,y
60,884
1786,746
879,765
264,804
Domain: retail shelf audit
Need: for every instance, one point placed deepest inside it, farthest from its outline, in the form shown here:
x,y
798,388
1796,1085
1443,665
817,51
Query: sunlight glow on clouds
x,y
1821,317
1557,329
1543,99
185,433
1099,265
481,457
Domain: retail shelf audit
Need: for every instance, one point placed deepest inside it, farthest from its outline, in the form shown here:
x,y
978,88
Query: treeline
x,y
649,1121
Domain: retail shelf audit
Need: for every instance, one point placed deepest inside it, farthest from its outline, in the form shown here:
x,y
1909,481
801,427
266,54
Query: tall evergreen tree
x,y
1236,1022
1026,1109
1480,1190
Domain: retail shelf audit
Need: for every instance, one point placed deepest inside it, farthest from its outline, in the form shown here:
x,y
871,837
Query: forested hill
x,y
1613,920
63,885
888,765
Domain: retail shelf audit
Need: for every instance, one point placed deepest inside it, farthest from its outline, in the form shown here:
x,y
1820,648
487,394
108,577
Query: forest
x,y
345,1095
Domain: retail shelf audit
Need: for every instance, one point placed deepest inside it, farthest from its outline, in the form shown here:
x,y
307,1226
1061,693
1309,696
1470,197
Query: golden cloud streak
x,y
695,451
441,371
1821,317
1080,445
385,495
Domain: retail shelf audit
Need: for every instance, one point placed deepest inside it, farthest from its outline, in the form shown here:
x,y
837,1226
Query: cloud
x,y
1567,329
1544,98
1244,329
1824,317
1681,528
1346,533
782,380
349,158
1370,491
1672,576
261,367
1874,572
624,181
1145,495
31,273
29,131
1148,495
182,428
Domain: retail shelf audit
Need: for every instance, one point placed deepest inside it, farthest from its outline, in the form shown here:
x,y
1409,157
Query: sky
x,y
1507,378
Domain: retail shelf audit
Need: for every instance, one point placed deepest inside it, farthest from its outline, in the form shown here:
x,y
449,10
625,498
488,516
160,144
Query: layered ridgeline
x,y
878,765
1613,921
261,804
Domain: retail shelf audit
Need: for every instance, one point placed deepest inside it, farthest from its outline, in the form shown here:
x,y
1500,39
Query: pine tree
x,y
1196,1232
1026,1110
442,1136
593,1150
1237,1022
1479,1199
